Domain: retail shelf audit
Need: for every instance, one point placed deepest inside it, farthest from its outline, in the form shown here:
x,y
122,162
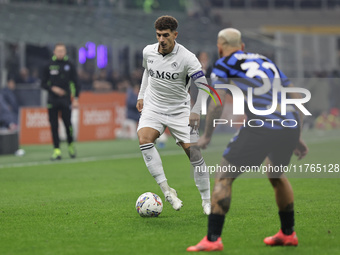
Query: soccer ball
x,y
149,205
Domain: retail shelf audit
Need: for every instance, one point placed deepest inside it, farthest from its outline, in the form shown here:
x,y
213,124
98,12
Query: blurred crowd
x,y
9,107
23,89
325,102
9,103
107,79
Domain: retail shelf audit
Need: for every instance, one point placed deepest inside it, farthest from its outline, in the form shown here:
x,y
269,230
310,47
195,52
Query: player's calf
x,y
221,196
201,176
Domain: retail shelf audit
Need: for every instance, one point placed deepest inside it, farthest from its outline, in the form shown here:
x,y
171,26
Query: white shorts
x,y
177,124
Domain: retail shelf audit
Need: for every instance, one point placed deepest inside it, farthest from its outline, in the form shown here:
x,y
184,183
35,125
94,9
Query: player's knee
x,y
144,140
147,136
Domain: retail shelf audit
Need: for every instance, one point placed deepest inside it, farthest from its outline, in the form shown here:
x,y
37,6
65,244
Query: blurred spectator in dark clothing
x,y
137,75
10,98
85,80
115,76
334,90
101,86
101,75
131,100
25,77
203,58
7,118
123,84
129,126
35,74
101,81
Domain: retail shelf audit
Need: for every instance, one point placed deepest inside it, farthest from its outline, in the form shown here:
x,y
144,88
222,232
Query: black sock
x,y
287,222
215,226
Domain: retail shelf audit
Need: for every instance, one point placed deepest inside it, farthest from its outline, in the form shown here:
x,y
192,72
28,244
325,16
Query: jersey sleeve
x,y
193,65
144,84
144,64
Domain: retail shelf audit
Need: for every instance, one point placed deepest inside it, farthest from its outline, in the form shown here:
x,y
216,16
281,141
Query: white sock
x,y
206,201
154,164
201,176
164,187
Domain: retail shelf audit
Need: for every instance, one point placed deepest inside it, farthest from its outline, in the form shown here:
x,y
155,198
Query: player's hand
x,y
203,142
139,105
301,149
194,120
75,103
58,91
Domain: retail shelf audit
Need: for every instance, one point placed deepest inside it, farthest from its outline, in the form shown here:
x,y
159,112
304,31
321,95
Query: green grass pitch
x,y
87,205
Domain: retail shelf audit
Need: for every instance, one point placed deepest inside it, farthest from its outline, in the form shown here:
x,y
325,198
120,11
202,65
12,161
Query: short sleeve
x,y
193,65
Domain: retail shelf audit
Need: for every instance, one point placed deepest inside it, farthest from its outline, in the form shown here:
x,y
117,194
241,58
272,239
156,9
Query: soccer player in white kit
x,y
164,101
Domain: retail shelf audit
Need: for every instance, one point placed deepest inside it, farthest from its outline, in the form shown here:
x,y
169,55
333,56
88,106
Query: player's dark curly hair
x,y
166,22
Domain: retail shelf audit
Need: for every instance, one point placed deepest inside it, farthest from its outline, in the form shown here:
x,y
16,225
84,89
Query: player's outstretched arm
x,y
203,90
301,149
214,112
143,86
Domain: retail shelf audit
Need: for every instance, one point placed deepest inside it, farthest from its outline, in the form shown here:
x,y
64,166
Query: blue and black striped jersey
x,y
251,70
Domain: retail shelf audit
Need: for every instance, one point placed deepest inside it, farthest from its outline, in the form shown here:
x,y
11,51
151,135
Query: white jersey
x,y
168,81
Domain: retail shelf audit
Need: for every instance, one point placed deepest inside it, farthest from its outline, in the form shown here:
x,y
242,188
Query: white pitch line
x,y
314,140
85,159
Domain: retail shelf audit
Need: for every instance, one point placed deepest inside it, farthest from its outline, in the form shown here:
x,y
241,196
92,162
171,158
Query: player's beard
x,y
220,52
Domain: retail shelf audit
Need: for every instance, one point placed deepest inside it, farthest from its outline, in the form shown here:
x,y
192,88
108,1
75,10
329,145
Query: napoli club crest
x,y
174,65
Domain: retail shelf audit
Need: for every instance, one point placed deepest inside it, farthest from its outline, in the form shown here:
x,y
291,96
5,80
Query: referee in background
x,y
60,79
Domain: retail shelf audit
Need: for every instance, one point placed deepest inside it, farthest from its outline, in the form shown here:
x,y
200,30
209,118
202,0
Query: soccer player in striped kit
x,y
252,145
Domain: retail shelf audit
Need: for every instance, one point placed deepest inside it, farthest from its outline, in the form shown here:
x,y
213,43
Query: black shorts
x,y
251,146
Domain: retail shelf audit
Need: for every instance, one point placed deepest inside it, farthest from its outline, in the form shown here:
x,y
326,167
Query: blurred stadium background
x,y
105,39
